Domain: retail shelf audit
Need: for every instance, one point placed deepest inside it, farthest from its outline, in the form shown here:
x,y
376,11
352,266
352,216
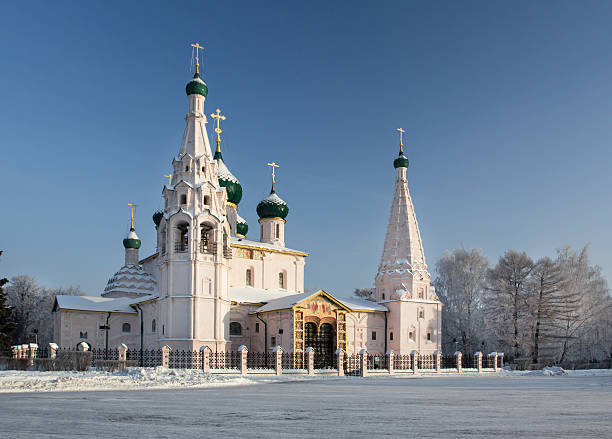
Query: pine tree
x,y
7,323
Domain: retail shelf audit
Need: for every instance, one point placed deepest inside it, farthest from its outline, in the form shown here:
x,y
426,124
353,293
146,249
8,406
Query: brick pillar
x,y
122,356
479,361
415,362
501,360
24,351
166,356
243,359
390,357
493,358
205,353
438,357
458,360
278,366
340,361
310,360
82,347
53,350
32,348
363,362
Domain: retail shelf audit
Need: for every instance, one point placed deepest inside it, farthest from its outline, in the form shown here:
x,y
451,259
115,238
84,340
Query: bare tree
x,y
550,300
461,283
364,293
506,304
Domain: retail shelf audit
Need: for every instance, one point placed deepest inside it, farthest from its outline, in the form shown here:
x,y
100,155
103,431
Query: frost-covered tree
x,y
461,283
7,323
506,300
584,329
364,293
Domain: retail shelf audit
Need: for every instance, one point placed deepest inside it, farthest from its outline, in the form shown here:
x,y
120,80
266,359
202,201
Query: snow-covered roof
x,y
290,300
264,246
225,174
99,304
131,279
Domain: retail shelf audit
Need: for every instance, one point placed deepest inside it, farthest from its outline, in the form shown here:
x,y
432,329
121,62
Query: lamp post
x,y
36,336
105,328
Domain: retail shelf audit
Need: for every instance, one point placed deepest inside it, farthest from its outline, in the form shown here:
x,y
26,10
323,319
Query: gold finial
x,y
217,115
197,48
169,177
273,165
401,131
132,206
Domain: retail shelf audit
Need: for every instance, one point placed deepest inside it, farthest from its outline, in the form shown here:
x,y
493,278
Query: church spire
x,y
403,249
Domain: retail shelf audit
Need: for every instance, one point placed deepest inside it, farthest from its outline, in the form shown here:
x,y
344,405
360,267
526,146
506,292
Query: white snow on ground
x,y
135,378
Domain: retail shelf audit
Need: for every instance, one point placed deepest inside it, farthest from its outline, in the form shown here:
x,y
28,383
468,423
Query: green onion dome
x,y
242,227
228,181
132,240
272,206
196,86
157,217
401,161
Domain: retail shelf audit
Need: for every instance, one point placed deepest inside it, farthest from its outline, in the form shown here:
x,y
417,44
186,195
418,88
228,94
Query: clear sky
x,y
507,107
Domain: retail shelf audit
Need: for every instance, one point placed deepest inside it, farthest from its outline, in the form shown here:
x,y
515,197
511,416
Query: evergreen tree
x,y
7,324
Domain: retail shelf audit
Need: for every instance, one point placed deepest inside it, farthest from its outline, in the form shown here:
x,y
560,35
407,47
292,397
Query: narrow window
x,y
206,200
273,341
421,314
383,296
202,168
373,335
429,336
280,331
411,335
163,329
186,168
256,327
153,326
278,231
249,277
281,280
391,336
126,328
183,199
235,329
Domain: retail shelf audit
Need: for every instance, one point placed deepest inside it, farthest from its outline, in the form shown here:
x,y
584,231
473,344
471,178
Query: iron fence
x,y
449,362
352,365
427,361
225,360
402,362
185,359
468,362
290,360
261,360
377,361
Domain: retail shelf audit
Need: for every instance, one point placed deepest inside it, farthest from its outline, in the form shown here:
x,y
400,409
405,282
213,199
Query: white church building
x,y
208,285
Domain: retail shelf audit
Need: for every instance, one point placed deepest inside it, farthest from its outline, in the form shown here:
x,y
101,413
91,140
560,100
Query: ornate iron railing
x,y
427,361
402,362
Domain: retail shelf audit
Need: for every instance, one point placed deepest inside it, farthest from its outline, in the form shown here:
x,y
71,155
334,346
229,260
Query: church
x,y
209,285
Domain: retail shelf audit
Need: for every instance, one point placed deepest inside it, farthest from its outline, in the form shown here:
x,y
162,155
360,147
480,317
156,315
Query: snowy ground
x,y
518,404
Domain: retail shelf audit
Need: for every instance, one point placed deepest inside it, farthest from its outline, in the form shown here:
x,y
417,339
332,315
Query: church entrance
x,y
323,340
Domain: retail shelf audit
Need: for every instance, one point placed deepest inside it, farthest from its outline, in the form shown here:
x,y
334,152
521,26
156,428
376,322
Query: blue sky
x,y
507,107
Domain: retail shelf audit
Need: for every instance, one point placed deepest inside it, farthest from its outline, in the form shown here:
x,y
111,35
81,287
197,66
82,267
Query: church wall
x,y
359,329
266,270
404,320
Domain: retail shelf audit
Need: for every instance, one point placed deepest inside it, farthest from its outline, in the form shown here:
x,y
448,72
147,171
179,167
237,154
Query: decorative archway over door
x,y
323,340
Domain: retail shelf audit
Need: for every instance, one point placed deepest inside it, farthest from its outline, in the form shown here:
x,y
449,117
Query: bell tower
x,y
193,238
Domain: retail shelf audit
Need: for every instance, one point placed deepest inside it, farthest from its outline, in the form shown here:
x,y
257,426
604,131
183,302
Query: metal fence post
x,y
243,359
438,357
478,356
310,360
390,358
278,365
205,353
458,360
166,356
415,361
340,361
363,362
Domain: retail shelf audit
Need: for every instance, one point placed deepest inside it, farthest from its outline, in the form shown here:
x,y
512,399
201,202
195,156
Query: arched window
x,y
126,328
235,329
278,231
249,277
182,241
83,334
429,336
281,280
421,293
183,199
206,200
153,326
206,234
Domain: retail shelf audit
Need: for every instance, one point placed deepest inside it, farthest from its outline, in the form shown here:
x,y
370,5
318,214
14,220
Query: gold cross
x,y
197,48
401,131
217,115
132,206
273,165
169,177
